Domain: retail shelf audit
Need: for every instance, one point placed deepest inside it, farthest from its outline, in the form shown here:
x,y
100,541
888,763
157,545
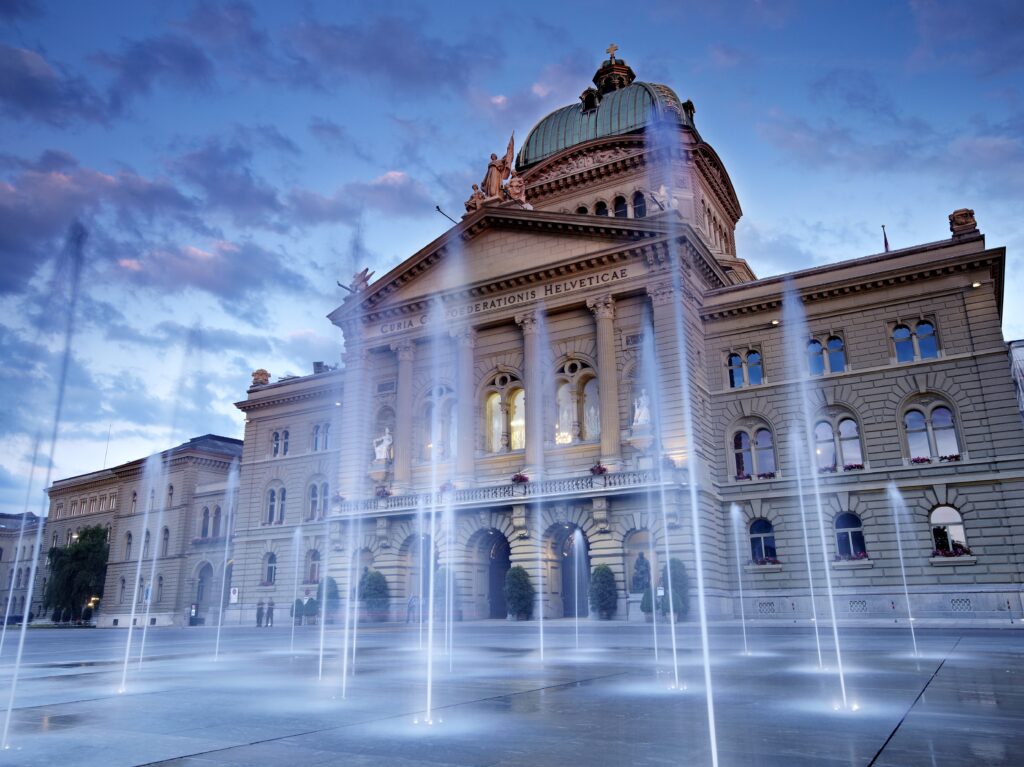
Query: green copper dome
x,y
621,105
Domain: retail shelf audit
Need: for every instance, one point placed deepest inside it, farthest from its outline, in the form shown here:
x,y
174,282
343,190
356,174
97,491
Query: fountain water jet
x,y
21,539
73,257
296,545
899,507
796,334
230,500
798,463
736,514
577,564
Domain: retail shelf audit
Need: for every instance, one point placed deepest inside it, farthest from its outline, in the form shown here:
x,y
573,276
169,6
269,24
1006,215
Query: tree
x,y
680,589
77,572
373,592
604,596
519,592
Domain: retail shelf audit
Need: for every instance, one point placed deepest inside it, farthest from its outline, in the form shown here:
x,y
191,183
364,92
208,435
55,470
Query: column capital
x,y
528,322
661,293
603,307
464,336
404,349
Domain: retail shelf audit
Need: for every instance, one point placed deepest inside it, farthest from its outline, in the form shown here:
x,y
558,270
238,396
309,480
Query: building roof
x,y
619,105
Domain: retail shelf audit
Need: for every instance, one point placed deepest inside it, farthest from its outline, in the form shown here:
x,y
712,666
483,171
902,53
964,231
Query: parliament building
x,y
531,373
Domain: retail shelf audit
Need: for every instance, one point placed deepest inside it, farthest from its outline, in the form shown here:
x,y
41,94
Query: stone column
x,y
533,357
465,466
603,308
403,416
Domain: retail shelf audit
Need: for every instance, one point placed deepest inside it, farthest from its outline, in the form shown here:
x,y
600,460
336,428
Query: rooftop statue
x,y
476,200
498,171
516,190
360,281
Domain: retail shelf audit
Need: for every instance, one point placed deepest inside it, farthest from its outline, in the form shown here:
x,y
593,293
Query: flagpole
x,y
885,239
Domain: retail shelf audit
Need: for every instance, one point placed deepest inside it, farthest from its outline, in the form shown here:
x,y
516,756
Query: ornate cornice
x,y
287,395
584,164
714,173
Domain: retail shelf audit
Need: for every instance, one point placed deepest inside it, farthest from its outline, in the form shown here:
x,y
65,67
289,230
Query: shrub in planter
x,y
298,610
333,601
604,596
441,595
680,589
647,603
519,593
373,593
312,610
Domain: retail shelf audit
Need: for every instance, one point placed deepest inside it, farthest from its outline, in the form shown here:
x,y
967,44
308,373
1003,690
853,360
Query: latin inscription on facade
x,y
512,299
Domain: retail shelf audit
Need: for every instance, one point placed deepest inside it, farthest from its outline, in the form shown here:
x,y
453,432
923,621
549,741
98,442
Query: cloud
x,y
426,65
33,89
168,59
723,56
988,39
771,252
12,10
393,193
336,137
221,169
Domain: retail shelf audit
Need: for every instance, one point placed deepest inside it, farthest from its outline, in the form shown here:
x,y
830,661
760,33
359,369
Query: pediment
x,y
494,246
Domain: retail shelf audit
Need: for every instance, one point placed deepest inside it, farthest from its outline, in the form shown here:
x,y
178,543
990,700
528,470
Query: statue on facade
x,y
260,377
382,445
592,421
642,409
516,189
641,574
360,281
476,200
497,172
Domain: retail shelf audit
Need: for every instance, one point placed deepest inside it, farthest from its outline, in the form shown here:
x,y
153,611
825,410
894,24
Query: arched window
x,y
314,501
271,505
601,208
849,537
836,356
17,580
931,433
269,569
135,500
735,365
170,496
837,445
216,522
919,344
70,535
127,545
639,205
505,414
141,591
619,204
577,403
324,495
280,506
582,210
754,367
275,444
204,530
121,589
754,453
948,533
815,360
159,588
744,370
313,566
165,544
325,437
316,438
762,542
145,545
53,541
284,442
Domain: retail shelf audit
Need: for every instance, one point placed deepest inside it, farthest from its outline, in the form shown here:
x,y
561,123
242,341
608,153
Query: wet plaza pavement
x,y
495,702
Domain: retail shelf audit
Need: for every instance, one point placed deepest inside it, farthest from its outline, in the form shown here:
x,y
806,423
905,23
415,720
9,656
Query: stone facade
x,y
17,541
648,308
166,547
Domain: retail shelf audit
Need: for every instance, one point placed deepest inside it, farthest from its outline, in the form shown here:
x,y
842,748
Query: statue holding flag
x,y
497,171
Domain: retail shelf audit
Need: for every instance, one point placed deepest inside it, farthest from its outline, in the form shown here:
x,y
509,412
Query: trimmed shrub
x,y
312,608
519,592
298,610
604,597
647,601
680,589
373,591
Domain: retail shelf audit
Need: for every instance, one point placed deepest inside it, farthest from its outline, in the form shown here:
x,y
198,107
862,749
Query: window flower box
x,y
827,469
852,557
752,567
383,492
950,458
766,475
852,564
519,478
598,469
742,477
764,561
958,550
920,460
853,467
943,561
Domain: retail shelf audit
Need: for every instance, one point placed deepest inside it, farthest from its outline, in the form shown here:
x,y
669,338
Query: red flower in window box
x,y
598,469
742,476
950,458
853,466
383,492
766,475
519,478
920,459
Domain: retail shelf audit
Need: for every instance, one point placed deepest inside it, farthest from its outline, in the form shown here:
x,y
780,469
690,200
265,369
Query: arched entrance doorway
x,y
499,562
571,559
204,580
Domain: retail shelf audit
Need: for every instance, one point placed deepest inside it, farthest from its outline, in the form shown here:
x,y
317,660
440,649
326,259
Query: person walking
x,y
410,608
270,613
259,614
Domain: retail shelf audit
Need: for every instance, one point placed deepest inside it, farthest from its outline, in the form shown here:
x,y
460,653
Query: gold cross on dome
x,y
610,50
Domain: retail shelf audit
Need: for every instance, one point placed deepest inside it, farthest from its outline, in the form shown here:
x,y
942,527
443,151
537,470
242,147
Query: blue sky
x,y
232,161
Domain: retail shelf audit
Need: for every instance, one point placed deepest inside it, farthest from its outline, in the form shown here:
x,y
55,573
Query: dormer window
x,y
591,99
